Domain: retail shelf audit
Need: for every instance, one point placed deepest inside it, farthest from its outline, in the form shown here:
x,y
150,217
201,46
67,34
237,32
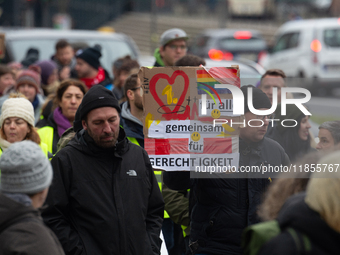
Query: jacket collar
x,y
252,147
119,149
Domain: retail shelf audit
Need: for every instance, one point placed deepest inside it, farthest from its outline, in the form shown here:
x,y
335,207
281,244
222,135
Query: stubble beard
x,y
104,144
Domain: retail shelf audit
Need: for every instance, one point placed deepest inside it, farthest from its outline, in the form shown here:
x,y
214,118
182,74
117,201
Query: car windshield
x,y
331,37
111,50
252,44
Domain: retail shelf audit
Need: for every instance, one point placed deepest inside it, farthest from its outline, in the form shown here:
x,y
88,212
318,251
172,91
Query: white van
x,y
309,49
252,8
114,45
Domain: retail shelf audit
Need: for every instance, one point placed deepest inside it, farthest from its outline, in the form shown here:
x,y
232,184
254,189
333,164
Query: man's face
x,y
83,69
269,82
173,51
138,101
254,134
103,126
65,55
326,141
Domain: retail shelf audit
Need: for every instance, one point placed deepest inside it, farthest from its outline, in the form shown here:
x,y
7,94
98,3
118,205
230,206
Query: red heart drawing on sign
x,y
171,81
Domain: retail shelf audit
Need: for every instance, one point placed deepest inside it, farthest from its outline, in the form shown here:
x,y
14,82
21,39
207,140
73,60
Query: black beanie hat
x,y
91,55
97,96
260,99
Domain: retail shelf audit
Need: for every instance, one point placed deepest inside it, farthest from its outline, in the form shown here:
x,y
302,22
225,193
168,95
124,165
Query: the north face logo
x,y
131,173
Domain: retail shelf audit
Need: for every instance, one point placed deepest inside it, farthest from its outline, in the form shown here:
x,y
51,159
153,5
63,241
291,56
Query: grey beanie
x,y
24,169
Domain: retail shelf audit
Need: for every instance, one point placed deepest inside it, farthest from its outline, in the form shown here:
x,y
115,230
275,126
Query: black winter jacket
x,y
104,201
22,230
225,206
296,214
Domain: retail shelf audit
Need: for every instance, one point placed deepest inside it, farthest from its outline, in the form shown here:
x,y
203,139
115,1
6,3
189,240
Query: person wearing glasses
x,y
295,140
132,110
224,206
173,47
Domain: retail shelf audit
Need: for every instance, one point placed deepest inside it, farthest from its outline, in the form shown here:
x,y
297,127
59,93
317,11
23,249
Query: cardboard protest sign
x,y
180,106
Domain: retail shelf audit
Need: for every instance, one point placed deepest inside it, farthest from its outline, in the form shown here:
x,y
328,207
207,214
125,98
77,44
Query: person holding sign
x,y
104,198
225,206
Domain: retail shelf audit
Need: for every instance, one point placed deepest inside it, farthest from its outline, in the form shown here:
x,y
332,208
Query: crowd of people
x,y
75,178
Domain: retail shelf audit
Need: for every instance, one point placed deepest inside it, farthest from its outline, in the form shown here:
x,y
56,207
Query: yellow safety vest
x,y
46,136
158,174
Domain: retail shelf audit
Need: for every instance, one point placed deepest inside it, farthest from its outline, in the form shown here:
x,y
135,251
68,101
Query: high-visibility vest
x,y
158,174
184,228
46,136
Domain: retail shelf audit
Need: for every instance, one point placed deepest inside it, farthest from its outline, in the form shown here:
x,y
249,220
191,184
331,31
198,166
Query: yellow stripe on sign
x,y
228,128
206,80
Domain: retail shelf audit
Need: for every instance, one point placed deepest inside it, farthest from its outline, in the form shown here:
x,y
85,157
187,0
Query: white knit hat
x,y
25,169
17,107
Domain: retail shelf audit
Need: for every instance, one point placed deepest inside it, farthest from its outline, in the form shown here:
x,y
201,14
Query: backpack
x,y
255,236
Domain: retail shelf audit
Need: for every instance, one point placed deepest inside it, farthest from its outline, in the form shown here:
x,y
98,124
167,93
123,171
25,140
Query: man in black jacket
x,y
105,198
225,206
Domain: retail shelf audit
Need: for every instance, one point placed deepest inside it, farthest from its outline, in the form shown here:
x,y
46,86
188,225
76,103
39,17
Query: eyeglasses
x,y
263,117
136,88
175,47
140,90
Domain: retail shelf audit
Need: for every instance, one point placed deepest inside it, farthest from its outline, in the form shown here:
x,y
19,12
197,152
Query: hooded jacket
x,y
22,230
159,61
298,215
133,127
225,206
104,201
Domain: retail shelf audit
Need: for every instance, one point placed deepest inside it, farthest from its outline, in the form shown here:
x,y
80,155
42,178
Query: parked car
x,y
114,45
309,49
229,44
